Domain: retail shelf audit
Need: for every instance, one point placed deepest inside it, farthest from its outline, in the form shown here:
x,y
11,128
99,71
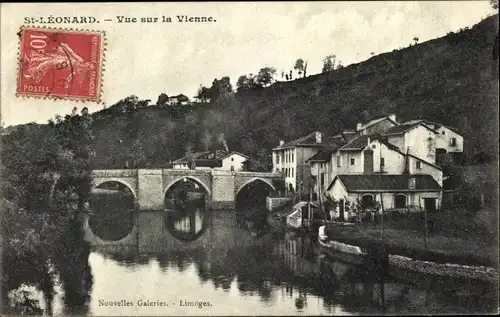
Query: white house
x,y
417,138
355,192
290,159
178,99
233,161
219,160
448,140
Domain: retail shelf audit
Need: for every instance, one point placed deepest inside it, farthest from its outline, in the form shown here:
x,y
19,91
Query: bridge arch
x,y
194,179
98,182
254,179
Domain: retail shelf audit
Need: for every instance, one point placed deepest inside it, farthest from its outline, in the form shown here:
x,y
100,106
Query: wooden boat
x,y
341,251
405,268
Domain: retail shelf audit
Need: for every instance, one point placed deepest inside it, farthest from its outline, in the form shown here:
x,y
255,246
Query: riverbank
x,y
452,238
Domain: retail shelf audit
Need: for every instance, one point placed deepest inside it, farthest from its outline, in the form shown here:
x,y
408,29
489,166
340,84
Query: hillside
x,y
452,80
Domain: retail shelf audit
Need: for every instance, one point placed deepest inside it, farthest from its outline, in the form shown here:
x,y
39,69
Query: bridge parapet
x,y
115,173
260,174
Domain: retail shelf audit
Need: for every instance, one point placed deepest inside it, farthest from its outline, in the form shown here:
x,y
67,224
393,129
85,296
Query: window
x,y
382,161
453,142
374,146
292,157
367,201
442,132
353,161
277,159
232,159
338,161
292,172
400,201
322,179
232,168
419,165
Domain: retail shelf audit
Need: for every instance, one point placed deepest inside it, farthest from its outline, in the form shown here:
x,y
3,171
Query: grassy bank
x,y
453,237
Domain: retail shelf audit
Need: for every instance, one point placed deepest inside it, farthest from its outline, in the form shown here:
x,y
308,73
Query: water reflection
x,y
232,260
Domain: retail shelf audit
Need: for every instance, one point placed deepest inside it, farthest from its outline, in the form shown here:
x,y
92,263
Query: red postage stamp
x,y
60,64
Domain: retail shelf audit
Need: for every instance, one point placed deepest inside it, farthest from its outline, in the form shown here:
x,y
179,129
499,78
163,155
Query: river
x,y
226,263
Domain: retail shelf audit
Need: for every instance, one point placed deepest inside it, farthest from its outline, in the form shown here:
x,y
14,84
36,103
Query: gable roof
x,y
198,156
403,128
325,154
375,121
432,123
391,183
307,140
359,143
234,152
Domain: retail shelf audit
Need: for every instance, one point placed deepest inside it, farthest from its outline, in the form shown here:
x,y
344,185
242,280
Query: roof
x,y
402,128
374,121
376,182
325,154
359,143
308,140
234,152
198,156
432,123
179,96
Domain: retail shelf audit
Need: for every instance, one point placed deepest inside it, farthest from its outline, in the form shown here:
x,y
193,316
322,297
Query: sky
x,y
149,59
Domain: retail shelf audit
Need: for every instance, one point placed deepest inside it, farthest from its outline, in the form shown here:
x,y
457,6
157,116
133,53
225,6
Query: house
x,y
448,141
369,154
179,99
371,192
219,160
320,163
234,161
290,159
377,125
418,138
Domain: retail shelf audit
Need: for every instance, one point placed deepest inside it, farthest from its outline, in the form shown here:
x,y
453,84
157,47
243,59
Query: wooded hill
x,y
452,80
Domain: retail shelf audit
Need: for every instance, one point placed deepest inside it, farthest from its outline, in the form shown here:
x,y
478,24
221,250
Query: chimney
x,y
358,126
393,117
318,137
411,182
368,141
282,142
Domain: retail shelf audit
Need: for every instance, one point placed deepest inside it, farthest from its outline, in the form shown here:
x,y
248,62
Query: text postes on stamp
x,y
60,63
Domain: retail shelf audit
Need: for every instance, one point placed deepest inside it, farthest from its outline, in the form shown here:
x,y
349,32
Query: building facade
x,y
290,159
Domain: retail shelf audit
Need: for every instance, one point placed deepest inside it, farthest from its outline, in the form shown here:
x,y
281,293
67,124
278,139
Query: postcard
x,y
249,158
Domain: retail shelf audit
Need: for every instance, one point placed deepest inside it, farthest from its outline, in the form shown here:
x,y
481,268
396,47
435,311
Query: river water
x,y
226,263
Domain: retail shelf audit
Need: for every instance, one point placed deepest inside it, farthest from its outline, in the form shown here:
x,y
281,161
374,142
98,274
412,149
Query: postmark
x,y
60,63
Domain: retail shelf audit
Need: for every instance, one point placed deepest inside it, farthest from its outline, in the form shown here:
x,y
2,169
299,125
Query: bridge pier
x,y
150,192
223,190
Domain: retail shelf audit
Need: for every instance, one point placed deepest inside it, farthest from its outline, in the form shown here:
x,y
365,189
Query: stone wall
x,y
274,202
150,194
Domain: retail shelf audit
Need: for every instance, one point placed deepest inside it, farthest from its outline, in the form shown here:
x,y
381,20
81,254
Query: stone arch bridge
x,y
149,186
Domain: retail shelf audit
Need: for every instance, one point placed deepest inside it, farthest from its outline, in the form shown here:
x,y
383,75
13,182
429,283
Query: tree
x,y
265,77
162,100
494,4
203,94
300,66
220,87
246,82
328,63
416,40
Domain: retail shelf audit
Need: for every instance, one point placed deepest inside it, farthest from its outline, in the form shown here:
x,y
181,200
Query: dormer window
x,y
453,142
419,165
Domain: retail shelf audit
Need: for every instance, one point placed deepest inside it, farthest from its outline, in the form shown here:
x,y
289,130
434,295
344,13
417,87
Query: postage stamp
x,y
58,63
